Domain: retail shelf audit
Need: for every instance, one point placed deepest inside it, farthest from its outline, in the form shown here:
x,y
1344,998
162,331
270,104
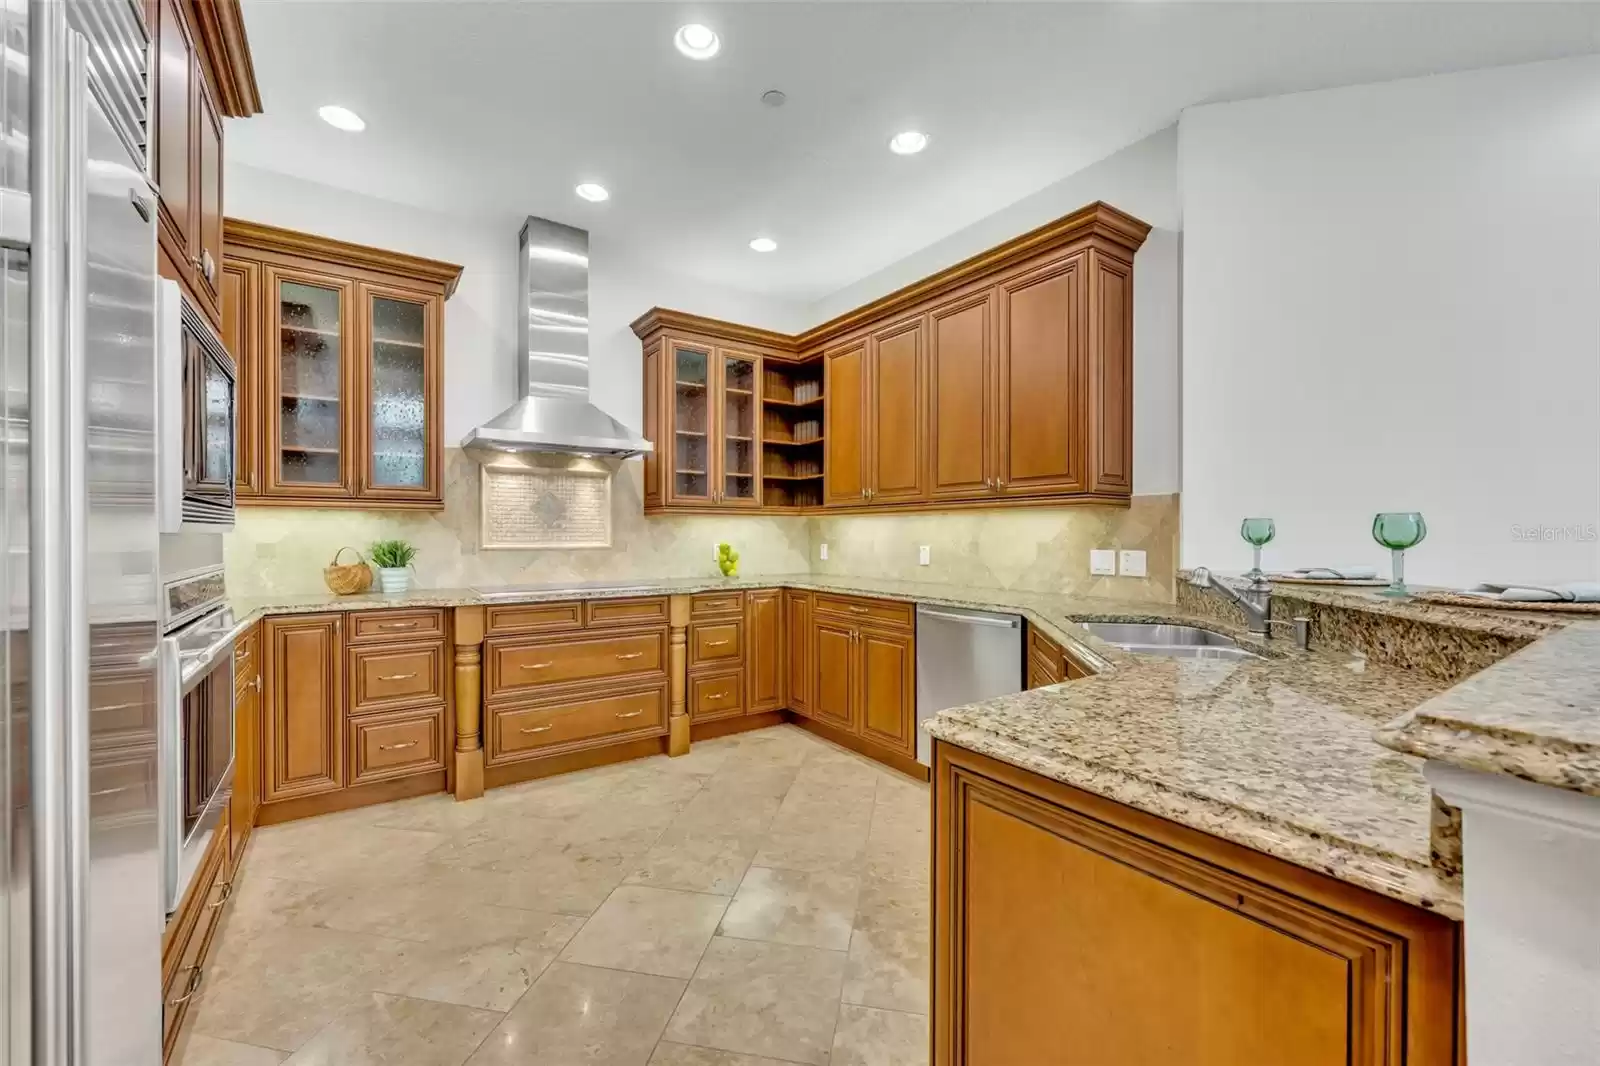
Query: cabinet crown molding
x,y
1113,227
240,236
220,24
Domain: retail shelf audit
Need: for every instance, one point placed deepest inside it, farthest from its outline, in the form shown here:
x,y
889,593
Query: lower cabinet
x,y
187,940
303,727
797,647
246,741
1048,662
1146,942
863,671
718,656
566,723
763,625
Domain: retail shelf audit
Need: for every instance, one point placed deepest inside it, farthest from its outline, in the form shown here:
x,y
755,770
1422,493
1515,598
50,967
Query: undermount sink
x,y
1172,641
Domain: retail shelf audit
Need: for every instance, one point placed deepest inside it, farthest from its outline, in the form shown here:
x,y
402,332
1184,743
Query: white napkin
x,y
1572,592
1334,573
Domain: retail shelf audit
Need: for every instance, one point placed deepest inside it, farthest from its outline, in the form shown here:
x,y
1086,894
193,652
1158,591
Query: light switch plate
x,y
1102,561
822,553
1131,564
924,554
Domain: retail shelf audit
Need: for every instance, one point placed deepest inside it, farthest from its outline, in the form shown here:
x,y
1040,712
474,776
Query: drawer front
x,y
714,642
1048,650
549,727
395,675
523,665
1041,672
245,653
710,604
396,745
642,612
890,613
716,696
408,624
533,618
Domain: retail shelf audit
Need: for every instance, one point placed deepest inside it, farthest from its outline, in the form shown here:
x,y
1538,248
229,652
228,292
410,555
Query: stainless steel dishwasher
x,y
962,657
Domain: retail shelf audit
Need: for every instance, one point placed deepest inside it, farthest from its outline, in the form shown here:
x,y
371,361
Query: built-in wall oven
x,y
196,722
195,386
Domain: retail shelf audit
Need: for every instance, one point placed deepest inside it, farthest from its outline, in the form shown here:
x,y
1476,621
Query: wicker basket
x,y
347,579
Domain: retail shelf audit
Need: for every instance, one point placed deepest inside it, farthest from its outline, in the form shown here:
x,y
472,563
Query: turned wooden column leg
x,y
677,673
468,641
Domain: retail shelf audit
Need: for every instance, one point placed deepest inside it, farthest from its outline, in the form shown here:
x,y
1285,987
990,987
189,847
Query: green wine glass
x,y
1256,533
1397,531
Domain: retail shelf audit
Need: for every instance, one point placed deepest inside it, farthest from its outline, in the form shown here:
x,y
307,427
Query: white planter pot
x,y
394,580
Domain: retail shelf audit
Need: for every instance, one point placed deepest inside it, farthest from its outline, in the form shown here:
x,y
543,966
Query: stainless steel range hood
x,y
553,413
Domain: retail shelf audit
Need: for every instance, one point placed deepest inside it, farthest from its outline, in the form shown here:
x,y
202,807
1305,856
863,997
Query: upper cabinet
x,y
341,352
1005,379
200,71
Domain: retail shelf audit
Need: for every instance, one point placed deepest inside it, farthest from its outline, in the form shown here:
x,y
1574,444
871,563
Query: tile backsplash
x,y
275,550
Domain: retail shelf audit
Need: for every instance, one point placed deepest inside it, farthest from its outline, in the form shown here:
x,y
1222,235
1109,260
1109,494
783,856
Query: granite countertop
x,y
1534,715
1274,754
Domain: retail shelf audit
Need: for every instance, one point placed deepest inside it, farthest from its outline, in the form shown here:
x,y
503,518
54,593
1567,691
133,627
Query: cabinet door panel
x,y
399,435
764,655
653,425
1111,394
797,676
738,440
303,736
844,429
894,426
888,690
693,425
1043,406
307,420
208,194
173,115
961,394
833,659
246,759
241,325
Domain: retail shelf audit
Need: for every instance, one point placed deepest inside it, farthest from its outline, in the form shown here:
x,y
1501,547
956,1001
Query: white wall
x,y
1391,301
1141,180
480,319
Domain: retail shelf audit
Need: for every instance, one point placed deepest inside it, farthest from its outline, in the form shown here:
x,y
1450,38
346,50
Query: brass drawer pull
x,y
223,896
715,643
535,666
724,694
396,677
858,610
631,655
397,747
538,728
630,714
397,625
190,989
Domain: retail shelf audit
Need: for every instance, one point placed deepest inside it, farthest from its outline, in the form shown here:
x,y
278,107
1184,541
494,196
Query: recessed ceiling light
x,y
909,142
592,192
764,244
342,118
697,41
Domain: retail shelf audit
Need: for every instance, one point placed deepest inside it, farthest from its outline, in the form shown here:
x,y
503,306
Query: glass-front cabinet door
x,y
402,394
691,449
738,481
308,394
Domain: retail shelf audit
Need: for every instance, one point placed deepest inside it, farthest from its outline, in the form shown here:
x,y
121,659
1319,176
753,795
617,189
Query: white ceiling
x,y
499,109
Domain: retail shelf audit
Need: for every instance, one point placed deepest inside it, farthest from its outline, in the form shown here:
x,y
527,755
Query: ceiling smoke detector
x,y
774,97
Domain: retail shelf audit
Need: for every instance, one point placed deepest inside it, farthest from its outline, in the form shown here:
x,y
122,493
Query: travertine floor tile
x,y
341,849
696,861
583,1014
648,930
889,947
775,1000
196,1049
833,841
669,1054
870,1037
390,1029
488,960
794,907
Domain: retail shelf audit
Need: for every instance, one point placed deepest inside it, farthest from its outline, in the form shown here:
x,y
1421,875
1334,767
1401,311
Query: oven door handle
x,y
169,765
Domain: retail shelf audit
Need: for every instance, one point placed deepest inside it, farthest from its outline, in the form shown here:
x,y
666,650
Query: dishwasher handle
x,y
969,619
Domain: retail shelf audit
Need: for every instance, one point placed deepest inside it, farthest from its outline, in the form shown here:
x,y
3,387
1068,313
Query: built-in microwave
x,y
196,401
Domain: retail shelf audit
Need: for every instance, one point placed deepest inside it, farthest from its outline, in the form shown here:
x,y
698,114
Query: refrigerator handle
x,y
57,535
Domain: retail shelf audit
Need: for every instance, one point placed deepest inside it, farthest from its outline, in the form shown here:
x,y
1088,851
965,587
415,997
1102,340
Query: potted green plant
x,y
393,560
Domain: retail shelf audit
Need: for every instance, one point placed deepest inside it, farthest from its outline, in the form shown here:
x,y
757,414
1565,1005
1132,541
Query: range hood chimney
x,y
553,412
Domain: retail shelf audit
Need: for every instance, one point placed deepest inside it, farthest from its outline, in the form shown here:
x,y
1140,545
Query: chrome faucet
x,y
1256,603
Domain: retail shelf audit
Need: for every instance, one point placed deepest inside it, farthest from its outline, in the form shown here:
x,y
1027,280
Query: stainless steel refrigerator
x,y
82,915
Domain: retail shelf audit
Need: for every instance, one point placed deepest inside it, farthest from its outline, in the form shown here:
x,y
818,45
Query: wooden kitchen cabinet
x,y
797,651
709,429
200,71
1145,942
303,722
863,677
246,741
887,689
833,688
1005,379
763,626
341,370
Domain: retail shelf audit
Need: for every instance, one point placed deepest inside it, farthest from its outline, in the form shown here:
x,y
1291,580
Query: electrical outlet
x,y
924,555
822,552
1102,561
1131,564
